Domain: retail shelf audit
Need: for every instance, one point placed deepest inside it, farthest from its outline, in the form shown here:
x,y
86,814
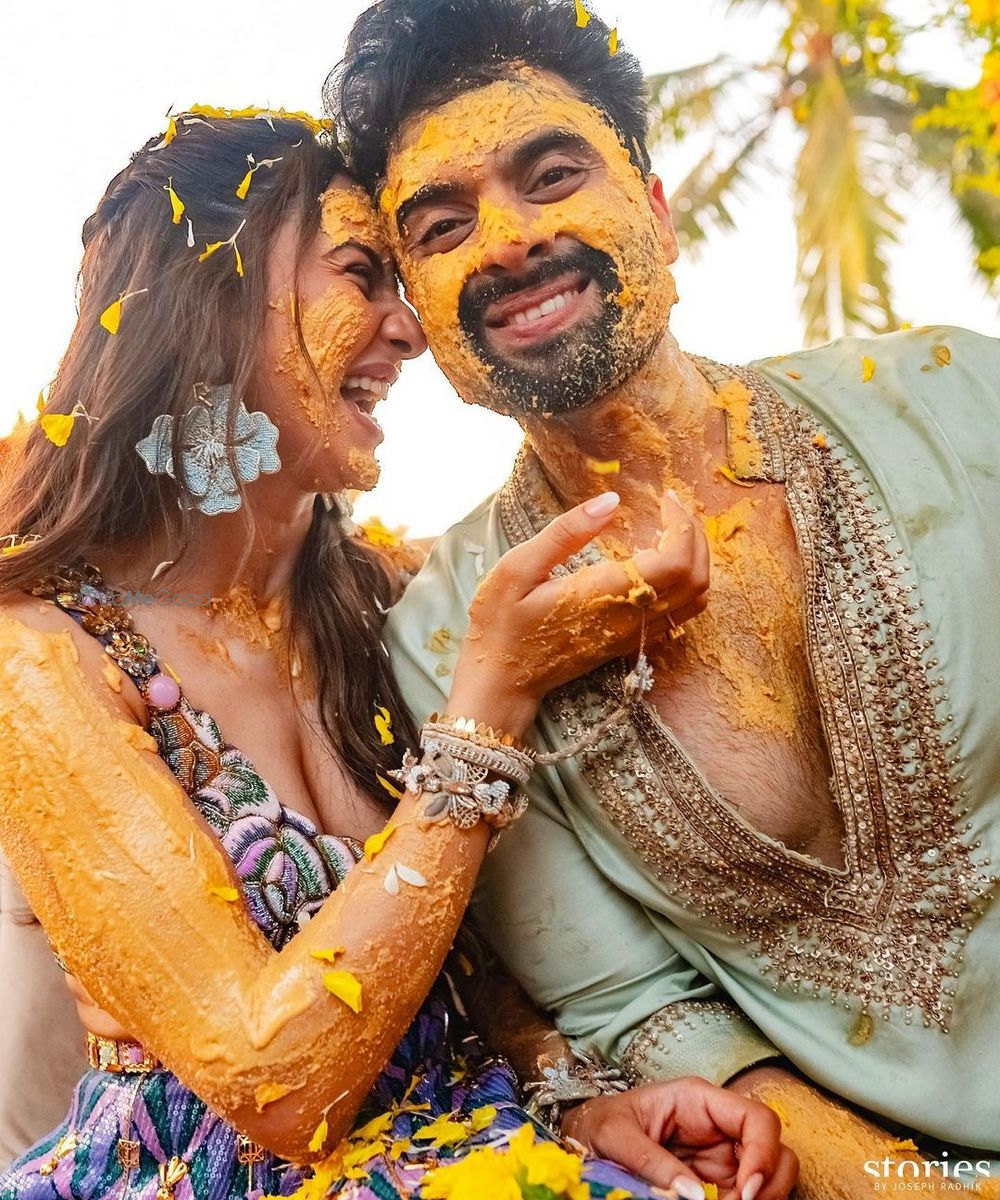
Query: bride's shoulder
x,y
37,637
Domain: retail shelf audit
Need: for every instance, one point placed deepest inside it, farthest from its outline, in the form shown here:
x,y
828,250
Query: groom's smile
x,y
529,243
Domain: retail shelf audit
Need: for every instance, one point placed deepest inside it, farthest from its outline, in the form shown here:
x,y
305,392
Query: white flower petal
x,y
392,881
410,876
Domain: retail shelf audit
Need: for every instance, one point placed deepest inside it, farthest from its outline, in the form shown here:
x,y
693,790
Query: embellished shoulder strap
x,y
100,610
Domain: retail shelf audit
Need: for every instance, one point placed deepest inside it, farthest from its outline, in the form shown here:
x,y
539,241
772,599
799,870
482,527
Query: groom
x,y
777,868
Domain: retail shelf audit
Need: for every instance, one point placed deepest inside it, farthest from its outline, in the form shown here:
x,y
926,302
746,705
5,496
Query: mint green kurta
x,y
639,906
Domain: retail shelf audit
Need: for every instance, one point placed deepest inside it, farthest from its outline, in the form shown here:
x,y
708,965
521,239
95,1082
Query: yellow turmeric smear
x,y
614,216
833,1145
746,455
749,644
259,626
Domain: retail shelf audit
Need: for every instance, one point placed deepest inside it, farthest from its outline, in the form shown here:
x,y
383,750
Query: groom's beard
x,y
567,371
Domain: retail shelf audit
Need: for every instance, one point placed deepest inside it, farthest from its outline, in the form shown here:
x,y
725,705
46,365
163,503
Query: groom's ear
x,y
661,214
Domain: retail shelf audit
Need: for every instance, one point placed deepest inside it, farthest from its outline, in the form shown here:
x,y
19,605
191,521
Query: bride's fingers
x,y
530,564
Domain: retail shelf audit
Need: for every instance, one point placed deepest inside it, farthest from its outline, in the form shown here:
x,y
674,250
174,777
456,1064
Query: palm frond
x,y
682,102
702,199
844,222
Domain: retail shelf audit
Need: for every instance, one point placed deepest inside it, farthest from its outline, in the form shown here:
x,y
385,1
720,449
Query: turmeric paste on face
x,y
334,328
611,214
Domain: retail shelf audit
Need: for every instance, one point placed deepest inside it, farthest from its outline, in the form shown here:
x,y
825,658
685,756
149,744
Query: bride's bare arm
x,y
134,889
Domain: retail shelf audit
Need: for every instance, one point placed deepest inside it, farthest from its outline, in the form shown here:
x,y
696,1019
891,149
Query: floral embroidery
x,y
888,930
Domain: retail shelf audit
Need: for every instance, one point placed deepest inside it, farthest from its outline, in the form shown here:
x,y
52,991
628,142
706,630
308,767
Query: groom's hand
x,y
685,1133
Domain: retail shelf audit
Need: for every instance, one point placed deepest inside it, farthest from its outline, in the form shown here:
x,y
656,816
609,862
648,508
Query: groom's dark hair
x,y
408,56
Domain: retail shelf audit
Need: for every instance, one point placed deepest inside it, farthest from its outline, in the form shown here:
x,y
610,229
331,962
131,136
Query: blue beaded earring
x,y
211,486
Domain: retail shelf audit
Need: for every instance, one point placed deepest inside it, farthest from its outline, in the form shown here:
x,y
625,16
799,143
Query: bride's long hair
x,y
189,322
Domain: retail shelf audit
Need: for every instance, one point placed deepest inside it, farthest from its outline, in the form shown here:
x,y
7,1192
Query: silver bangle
x,y
509,764
460,791
564,1084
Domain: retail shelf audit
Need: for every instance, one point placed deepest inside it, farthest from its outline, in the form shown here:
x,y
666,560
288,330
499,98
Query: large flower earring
x,y
211,486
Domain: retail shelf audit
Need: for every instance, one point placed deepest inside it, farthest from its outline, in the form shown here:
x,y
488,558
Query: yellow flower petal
x,y
176,203
445,1131
711,1191
373,1128
244,186
867,369
613,42
794,374
482,1117
171,133
582,16
209,250
267,1093
318,1139
609,466
229,894
399,1148
383,722
394,792
239,261
57,427
727,472
377,840
376,532
40,402
618,1194
344,986
327,955
942,355
111,318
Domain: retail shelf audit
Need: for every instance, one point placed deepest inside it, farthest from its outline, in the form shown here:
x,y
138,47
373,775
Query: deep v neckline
x,y
888,928
286,865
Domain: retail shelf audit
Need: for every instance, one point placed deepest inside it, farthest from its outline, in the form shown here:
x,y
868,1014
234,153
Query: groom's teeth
x,y
553,304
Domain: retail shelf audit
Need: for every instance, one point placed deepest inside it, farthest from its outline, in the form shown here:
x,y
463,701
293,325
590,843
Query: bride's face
x,y
335,337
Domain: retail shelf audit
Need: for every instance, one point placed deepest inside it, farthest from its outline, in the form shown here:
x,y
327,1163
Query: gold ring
x,y
676,631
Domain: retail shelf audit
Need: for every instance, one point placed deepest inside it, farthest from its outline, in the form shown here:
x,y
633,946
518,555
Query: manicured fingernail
x,y
688,1189
601,505
752,1187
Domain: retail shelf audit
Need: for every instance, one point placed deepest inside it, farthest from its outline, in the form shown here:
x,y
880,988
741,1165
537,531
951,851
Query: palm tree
x,y
867,129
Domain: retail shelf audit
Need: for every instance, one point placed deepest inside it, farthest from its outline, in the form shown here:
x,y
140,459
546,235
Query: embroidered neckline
x,y
286,866
887,931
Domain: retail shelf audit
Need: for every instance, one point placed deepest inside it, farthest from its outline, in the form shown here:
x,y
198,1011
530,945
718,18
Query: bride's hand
x,y
530,631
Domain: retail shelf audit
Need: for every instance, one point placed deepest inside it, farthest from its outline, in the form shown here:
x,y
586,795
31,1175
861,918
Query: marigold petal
x,y
377,840
327,955
229,894
383,724
613,42
609,466
111,318
344,986
867,369
209,250
244,185
57,427
394,792
582,16
318,1139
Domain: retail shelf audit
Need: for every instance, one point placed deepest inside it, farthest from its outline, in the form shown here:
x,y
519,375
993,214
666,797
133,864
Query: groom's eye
x,y
553,180
445,233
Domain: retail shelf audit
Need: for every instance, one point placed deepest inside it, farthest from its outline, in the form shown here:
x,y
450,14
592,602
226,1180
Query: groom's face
x,y
535,253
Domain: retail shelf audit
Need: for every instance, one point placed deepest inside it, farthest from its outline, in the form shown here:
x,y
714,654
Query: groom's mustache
x,y
481,292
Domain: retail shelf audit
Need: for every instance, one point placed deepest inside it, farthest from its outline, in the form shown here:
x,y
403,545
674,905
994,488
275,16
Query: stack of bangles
x,y
459,759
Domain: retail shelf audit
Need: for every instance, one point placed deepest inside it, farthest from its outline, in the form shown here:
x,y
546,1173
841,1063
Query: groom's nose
x,y
509,244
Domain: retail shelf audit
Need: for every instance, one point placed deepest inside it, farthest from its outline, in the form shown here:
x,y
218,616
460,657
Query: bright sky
x,y
87,84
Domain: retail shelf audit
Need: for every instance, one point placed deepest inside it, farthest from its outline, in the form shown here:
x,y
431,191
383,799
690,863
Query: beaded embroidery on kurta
x,y
887,931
